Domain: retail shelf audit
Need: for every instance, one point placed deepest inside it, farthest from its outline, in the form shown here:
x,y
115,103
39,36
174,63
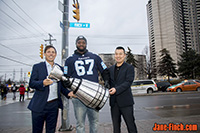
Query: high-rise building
x,y
191,20
174,25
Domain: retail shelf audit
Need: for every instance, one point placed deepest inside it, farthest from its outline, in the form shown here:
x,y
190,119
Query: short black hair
x,y
120,47
48,47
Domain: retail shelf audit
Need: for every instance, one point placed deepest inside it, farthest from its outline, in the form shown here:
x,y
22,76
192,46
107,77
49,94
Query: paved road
x,y
149,109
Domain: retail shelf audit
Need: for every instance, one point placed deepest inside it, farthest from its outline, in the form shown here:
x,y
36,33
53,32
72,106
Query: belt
x,y
52,100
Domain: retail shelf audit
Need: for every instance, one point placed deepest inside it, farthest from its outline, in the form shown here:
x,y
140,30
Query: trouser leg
x,y
51,116
127,113
80,115
37,122
93,117
116,118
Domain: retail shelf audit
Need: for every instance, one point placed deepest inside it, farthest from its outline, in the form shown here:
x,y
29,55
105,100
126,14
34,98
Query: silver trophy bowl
x,y
57,73
90,93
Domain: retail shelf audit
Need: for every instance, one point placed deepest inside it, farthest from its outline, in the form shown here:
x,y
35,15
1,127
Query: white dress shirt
x,y
53,88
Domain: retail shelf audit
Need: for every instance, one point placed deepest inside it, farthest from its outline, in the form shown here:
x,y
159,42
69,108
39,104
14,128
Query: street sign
x,y
79,25
61,25
60,6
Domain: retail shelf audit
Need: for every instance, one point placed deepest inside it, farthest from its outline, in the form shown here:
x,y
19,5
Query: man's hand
x,y
71,94
47,82
112,91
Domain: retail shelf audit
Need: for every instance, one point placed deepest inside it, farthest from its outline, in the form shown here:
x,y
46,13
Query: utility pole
x,y
24,78
5,78
21,75
65,33
50,39
65,43
13,75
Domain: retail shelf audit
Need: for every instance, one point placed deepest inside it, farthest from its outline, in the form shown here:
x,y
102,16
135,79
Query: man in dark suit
x,y
121,98
47,98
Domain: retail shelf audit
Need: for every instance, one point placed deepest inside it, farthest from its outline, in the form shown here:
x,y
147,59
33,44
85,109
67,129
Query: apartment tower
x,y
174,25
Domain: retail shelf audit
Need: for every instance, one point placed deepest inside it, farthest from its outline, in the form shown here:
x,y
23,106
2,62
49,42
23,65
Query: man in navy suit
x,y
47,97
121,98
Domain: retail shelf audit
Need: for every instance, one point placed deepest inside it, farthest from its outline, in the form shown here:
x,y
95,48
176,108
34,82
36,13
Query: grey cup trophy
x,y
90,93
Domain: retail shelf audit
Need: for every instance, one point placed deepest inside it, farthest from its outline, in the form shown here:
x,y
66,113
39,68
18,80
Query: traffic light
x,y
41,51
29,74
76,11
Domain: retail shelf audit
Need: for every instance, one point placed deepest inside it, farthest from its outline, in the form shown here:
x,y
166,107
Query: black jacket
x,y
123,96
39,100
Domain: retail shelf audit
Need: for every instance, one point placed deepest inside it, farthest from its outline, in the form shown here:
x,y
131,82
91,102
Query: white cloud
x,y
113,23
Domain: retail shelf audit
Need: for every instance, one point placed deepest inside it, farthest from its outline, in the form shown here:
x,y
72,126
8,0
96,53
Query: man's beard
x,y
81,50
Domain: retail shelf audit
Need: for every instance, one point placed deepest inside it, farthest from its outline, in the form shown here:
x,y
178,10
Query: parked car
x,y
163,85
185,86
143,86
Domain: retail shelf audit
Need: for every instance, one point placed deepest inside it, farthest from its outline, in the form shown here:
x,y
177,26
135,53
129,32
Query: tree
x,y
166,65
9,81
1,79
148,68
197,67
188,66
109,60
130,58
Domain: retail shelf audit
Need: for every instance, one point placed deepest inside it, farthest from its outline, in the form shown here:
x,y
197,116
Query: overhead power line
x,y
99,36
21,17
10,27
20,37
16,52
28,16
16,21
8,66
15,60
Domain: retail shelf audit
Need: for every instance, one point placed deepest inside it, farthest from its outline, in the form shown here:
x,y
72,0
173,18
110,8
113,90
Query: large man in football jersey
x,y
85,65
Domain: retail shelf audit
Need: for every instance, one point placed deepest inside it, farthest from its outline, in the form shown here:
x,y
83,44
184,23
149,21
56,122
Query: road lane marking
x,y
193,97
168,106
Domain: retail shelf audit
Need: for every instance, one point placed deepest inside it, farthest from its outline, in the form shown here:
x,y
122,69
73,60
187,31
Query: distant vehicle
x,y
143,86
185,86
163,85
196,80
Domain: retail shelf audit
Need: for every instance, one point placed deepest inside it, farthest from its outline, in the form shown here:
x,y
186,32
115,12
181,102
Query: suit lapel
x,y
44,67
44,71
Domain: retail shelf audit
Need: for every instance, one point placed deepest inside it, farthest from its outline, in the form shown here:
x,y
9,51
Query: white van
x,y
143,86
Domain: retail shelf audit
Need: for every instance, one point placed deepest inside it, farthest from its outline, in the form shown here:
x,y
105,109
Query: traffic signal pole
x,y
65,121
65,40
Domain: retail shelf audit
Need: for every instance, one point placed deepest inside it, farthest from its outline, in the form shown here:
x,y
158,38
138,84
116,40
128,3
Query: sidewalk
x,y
143,125
146,126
